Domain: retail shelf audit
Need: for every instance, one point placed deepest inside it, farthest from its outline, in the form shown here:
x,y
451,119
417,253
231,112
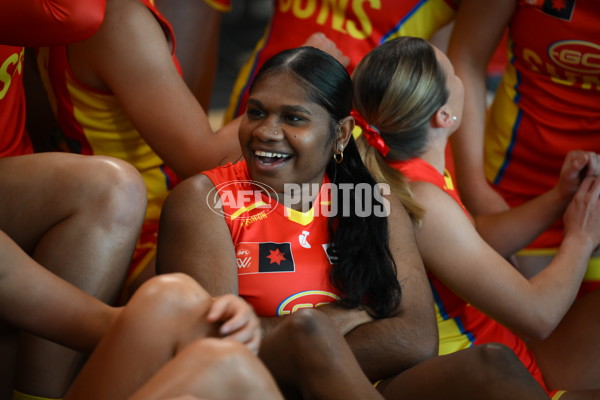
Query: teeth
x,y
260,153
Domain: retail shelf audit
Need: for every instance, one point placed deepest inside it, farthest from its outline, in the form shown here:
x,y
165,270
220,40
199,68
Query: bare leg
x,y
79,217
212,369
160,331
309,358
570,357
484,372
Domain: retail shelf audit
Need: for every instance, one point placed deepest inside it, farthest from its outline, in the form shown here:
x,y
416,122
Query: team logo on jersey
x,y
245,200
576,55
306,299
562,9
253,257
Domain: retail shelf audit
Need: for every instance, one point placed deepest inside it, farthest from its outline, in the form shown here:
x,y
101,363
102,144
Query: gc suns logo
x,y
242,199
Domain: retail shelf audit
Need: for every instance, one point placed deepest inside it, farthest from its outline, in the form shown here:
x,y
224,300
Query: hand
x,y
583,214
578,164
239,322
322,42
346,319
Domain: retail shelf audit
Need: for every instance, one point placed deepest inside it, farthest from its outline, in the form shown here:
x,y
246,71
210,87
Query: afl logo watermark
x,y
243,199
576,55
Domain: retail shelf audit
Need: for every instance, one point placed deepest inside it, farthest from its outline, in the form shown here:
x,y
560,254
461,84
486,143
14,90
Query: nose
x,y
268,130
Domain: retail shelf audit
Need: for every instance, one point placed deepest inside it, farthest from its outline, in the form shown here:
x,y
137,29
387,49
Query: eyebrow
x,y
286,108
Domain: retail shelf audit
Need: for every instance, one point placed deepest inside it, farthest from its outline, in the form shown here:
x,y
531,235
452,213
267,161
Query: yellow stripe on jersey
x,y
592,274
502,118
425,20
451,336
558,395
219,5
248,208
22,396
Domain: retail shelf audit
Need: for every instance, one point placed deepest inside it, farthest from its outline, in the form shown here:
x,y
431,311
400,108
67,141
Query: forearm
x,y
389,346
511,230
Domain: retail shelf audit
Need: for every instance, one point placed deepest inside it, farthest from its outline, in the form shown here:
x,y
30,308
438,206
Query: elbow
x,y
539,328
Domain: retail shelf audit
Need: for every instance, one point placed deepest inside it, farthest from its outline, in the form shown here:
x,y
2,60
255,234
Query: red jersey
x,y
281,253
34,23
460,325
548,102
14,140
356,26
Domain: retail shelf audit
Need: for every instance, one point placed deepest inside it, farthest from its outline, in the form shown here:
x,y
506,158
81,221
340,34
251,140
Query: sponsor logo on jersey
x,y
254,257
576,55
306,299
562,9
245,200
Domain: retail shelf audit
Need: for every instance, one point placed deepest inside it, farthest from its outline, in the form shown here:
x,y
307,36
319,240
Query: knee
x,y
116,189
308,324
172,296
500,362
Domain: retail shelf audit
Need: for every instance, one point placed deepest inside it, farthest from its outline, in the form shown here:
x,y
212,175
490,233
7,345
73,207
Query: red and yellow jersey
x,y
356,26
93,122
548,102
281,253
34,23
14,140
460,325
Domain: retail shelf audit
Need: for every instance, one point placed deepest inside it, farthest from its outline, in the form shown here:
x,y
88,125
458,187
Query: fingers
x,y
322,42
239,322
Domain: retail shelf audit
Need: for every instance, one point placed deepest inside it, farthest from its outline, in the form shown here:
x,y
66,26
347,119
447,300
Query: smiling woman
x,y
334,315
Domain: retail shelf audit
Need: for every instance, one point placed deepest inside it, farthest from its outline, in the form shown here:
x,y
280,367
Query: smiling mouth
x,y
269,159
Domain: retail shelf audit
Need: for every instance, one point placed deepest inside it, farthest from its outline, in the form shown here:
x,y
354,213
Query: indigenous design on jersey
x,y
461,325
548,102
281,254
14,139
356,26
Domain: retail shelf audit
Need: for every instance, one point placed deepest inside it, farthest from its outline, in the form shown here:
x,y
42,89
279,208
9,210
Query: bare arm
x,y
35,300
453,250
388,346
141,74
197,27
511,230
51,22
477,31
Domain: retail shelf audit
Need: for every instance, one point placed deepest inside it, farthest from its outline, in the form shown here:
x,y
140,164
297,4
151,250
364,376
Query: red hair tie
x,y
371,134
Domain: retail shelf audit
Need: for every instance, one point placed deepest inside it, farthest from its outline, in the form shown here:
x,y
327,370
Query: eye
x,y
294,119
254,113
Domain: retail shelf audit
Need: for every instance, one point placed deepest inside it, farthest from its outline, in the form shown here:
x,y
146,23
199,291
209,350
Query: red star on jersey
x,y
276,256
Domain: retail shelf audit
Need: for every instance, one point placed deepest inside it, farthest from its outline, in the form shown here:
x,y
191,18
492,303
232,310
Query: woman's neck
x,y
436,153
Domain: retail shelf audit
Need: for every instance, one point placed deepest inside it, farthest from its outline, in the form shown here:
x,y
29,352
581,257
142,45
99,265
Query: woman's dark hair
x,y
364,271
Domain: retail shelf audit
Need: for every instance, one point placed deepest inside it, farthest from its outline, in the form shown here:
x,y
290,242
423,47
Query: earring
x,y
274,132
454,118
338,157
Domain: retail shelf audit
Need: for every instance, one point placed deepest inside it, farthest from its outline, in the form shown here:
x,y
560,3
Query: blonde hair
x,y
398,87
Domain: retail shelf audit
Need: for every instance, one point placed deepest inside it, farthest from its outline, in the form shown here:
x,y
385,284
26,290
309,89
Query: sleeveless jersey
x,y
54,22
281,253
14,139
356,26
548,102
460,325
93,122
